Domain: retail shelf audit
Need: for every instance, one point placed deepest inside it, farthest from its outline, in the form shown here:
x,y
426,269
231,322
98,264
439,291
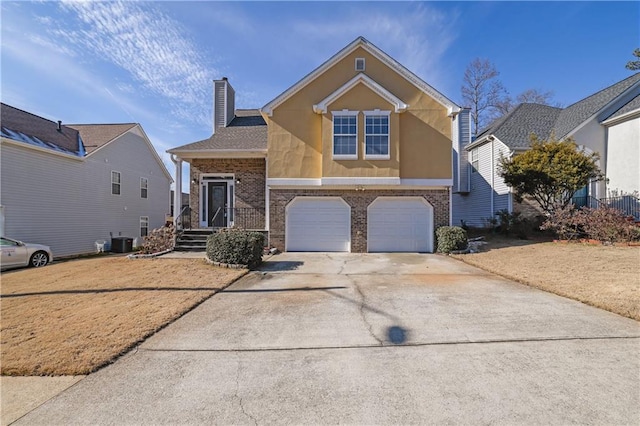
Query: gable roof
x,y
98,135
380,55
515,128
574,115
22,126
400,106
246,132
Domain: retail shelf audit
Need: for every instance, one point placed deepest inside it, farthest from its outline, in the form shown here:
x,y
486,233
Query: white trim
x,y
219,153
426,182
343,113
322,106
377,53
342,181
293,182
40,149
374,113
622,118
119,183
360,181
146,187
203,180
631,89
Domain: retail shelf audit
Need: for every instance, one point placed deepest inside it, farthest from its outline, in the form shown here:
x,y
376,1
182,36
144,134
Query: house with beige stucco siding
x,y
357,156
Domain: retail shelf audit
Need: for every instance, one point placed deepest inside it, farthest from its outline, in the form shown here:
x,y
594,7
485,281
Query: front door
x,y
217,204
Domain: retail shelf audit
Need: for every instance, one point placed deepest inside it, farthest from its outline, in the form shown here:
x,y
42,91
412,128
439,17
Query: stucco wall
x,y
623,156
297,135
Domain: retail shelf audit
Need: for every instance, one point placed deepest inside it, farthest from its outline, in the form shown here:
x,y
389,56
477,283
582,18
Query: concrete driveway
x,y
370,339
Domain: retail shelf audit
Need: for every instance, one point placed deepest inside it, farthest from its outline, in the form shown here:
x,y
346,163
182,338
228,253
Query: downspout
x,y
266,194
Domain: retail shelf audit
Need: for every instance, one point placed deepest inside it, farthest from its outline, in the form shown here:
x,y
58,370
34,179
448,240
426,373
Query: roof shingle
x,y
632,105
96,135
573,115
247,131
515,128
20,123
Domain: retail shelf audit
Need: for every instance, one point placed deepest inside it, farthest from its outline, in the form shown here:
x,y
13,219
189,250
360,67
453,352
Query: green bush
x,y
451,238
236,247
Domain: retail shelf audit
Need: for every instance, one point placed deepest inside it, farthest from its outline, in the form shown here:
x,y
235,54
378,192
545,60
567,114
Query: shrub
x,y
236,247
604,224
512,223
608,224
451,238
159,239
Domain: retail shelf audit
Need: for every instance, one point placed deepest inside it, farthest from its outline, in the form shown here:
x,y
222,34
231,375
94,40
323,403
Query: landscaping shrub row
x,y
603,224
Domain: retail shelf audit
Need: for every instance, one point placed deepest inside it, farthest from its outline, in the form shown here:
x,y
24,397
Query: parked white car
x,y
16,254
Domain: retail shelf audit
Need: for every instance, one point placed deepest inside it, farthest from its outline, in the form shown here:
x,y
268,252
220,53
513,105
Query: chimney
x,y
224,104
59,125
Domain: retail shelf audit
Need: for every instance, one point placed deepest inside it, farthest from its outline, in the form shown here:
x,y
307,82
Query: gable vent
x,y
359,64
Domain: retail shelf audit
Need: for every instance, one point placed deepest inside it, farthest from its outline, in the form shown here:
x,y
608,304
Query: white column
x,y
177,193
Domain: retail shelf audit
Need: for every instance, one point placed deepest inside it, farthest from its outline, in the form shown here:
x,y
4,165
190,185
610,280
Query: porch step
x,y
192,240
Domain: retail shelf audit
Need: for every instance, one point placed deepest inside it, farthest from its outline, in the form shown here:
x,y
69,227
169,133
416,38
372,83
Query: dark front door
x,y
217,204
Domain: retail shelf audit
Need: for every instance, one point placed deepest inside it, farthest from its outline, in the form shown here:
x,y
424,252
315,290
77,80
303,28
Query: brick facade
x,y
249,192
359,201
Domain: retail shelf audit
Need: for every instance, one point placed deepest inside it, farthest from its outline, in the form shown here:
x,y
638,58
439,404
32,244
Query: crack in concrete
x,y
362,314
237,393
344,263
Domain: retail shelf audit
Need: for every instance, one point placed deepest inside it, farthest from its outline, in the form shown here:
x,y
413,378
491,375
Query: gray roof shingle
x,y
29,128
515,128
573,115
247,131
632,105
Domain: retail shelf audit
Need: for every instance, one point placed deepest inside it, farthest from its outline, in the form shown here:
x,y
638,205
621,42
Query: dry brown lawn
x,y
607,277
74,317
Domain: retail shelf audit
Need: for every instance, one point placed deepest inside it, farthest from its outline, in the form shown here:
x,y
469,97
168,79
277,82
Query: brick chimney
x,y
224,103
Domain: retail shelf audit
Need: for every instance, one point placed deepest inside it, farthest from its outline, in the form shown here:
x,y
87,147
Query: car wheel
x,y
39,259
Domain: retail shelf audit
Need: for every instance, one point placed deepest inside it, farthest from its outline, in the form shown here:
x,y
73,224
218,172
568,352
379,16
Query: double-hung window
x,y
474,160
345,135
144,226
376,136
115,183
144,185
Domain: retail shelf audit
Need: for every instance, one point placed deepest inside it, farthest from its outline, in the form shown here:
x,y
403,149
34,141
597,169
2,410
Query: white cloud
x,y
149,45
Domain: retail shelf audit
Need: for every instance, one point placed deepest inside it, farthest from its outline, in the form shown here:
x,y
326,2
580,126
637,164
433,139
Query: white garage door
x,y
400,224
318,224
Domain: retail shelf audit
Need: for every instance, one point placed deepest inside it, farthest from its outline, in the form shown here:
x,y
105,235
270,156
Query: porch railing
x,y
240,217
184,218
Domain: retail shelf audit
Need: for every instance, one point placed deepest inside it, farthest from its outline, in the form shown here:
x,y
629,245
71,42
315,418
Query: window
x,y
345,135
474,160
376,136
144,226
144,184
360,64
115,183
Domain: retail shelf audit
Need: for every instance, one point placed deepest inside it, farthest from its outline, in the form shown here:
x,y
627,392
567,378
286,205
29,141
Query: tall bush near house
x,y
236,247
608,224
451,238
160,239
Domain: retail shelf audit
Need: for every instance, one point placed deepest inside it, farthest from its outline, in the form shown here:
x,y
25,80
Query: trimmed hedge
x,y
451,238
236,247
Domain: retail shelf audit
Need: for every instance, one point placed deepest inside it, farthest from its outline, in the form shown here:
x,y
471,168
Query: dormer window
x,y
359,64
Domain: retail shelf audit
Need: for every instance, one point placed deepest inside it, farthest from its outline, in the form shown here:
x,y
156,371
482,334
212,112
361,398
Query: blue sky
x,y
154,62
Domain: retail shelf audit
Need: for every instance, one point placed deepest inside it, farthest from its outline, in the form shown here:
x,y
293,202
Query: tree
x,y
550,172
482,92
531,96
634,65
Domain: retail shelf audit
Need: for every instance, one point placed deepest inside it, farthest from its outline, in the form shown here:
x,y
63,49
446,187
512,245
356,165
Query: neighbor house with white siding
x,y
68,186
606,122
